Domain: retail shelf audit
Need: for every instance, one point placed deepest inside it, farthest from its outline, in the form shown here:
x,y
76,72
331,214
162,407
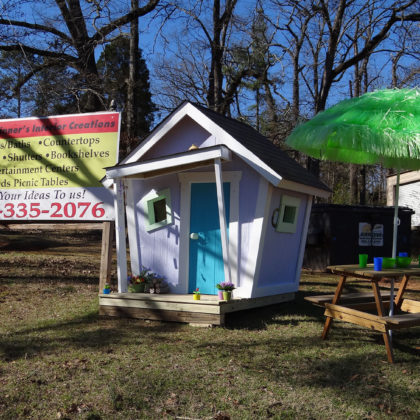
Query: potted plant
x,y
219,291
107,289
137,284
196,294
226,287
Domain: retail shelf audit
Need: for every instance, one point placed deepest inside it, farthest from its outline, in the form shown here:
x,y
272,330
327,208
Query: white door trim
x,y
186,179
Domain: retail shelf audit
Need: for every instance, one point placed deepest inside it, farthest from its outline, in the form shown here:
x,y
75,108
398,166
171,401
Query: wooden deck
x,y
180,308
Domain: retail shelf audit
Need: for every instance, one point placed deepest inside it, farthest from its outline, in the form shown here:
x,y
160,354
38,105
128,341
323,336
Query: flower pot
x,y
227,295
220,294
136,288
106,291
196,296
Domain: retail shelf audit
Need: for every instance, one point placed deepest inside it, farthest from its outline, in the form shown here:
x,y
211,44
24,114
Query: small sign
x,y
378,235
371,236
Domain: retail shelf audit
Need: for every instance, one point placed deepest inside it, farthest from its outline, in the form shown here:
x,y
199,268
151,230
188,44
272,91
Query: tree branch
x,y
36,27
123,20
43,53
372,43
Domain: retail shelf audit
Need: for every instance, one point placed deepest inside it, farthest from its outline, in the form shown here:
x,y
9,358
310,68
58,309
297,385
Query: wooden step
x,y
181,307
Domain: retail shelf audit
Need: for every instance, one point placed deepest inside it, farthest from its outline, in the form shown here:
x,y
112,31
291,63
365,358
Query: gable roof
x,y
259,152
262,147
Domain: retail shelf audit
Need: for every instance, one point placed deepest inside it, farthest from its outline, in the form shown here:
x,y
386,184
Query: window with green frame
x,y
288,214
157,207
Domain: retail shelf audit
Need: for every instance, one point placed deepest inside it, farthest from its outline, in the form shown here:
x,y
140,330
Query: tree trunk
x,y
132,75
354,197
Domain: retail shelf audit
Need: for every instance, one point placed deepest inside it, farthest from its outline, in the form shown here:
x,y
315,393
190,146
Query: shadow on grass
x,y
259,318
60,279
88,331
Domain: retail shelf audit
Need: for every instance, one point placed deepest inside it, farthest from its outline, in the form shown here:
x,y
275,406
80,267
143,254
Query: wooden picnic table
x,y
355,307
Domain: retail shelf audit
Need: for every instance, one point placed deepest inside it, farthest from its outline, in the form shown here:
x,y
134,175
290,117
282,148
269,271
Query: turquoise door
x,y
206,258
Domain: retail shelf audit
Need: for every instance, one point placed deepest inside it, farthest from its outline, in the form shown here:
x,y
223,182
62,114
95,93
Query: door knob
x,y
194,236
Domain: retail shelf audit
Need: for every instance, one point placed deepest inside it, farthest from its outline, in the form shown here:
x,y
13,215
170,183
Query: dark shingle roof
x,y
263,148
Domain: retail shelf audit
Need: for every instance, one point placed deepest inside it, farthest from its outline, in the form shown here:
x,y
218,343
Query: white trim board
x,y
258,228
267,191
222,218
186,179
303,236
132,230
301,188
121,246
142,169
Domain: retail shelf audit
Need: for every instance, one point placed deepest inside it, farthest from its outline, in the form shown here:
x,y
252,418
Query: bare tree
x,y
207,56
329,30
66,37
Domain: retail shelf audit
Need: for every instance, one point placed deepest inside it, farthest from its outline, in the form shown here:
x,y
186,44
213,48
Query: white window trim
x,y
146,202
285,227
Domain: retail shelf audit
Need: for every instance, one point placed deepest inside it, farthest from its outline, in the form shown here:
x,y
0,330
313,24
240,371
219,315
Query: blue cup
x,y
403,254
377,263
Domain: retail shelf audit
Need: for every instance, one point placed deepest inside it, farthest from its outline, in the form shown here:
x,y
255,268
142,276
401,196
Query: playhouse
x,y
206,198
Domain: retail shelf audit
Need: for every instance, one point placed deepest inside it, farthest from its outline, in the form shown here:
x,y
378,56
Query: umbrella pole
x,y
394,233
394,243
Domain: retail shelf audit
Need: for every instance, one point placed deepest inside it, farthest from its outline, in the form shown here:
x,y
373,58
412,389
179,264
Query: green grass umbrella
x,y
381,127
377,127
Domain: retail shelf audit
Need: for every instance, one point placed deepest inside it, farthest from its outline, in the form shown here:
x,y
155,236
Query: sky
x,y
154,45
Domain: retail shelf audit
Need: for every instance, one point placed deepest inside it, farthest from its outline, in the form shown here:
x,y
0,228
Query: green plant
x,y
107,286
145,276
226,286
196,291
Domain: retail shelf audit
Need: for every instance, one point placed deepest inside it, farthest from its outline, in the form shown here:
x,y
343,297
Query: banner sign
x,y
51,168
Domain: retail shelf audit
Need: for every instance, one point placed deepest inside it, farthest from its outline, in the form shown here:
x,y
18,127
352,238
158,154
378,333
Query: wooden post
x,y
222,217
120,236
106,254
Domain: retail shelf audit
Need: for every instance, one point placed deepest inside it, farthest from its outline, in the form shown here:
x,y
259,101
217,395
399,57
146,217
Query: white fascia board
x,y
196,156
234,145
158,133
302,188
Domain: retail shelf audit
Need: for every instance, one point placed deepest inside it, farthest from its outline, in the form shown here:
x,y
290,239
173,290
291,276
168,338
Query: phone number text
x,y
57,210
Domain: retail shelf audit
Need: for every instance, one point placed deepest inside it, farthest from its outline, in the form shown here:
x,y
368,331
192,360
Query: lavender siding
x,y
281,250
159,249
180,139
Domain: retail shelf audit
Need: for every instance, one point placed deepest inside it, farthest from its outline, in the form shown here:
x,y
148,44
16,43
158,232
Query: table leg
x,y
380,309
336,297
401,290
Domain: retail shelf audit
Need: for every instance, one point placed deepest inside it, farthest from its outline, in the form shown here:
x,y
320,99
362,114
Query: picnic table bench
x,y
357,308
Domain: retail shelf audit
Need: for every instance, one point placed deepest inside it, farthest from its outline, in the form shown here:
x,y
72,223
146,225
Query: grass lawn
x,y
59,360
